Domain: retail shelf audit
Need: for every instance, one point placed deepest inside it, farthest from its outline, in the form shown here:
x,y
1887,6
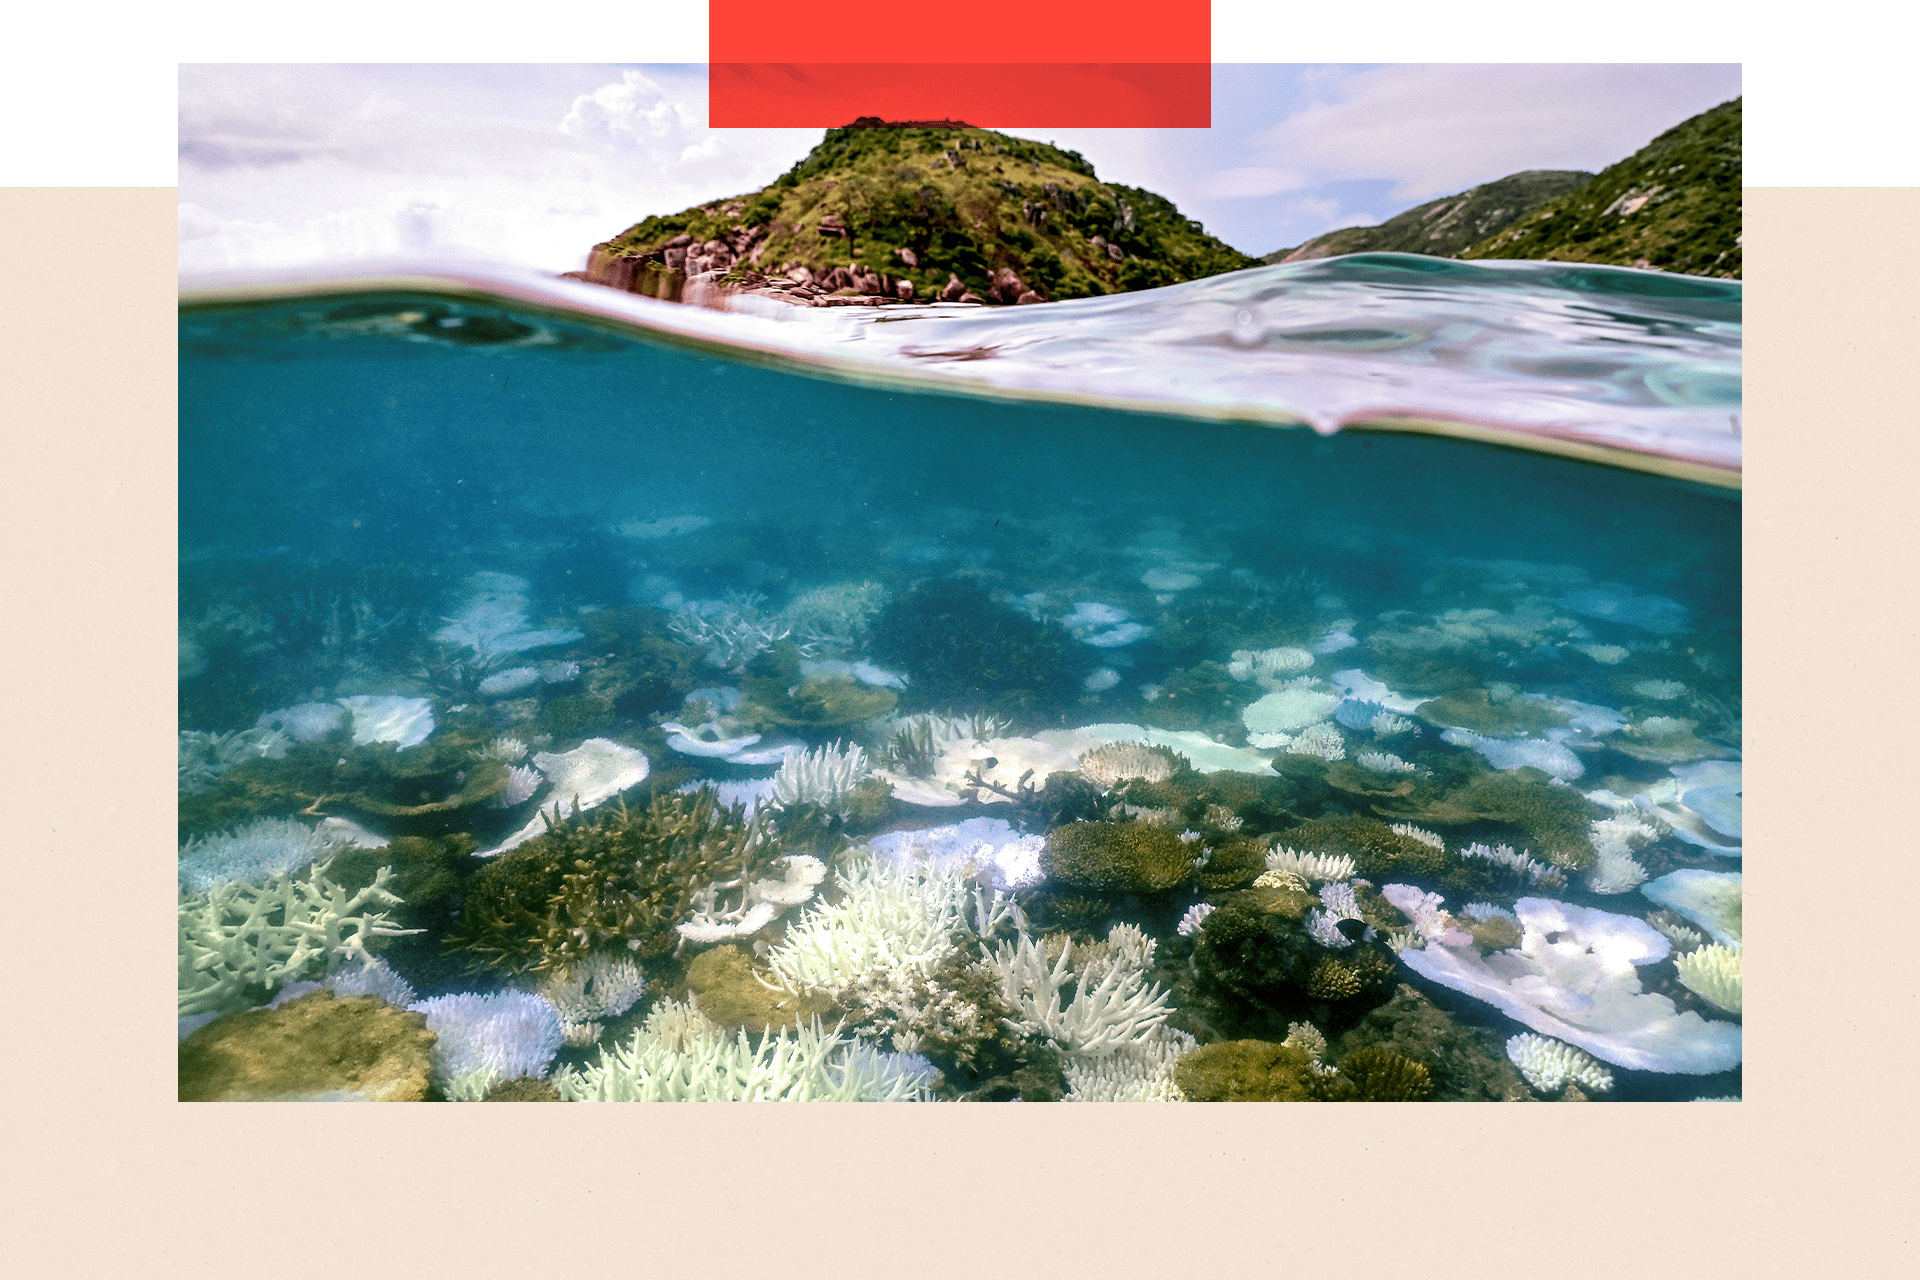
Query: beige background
x,y
1810,1176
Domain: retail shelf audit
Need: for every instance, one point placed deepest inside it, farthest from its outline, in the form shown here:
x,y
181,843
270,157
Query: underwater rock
x,y
318,1045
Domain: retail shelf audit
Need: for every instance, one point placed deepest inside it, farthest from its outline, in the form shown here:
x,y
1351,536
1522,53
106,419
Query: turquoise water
x,y
359,470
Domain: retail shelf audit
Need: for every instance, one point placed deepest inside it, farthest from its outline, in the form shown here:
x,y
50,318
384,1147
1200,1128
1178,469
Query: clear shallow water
x,y
350,463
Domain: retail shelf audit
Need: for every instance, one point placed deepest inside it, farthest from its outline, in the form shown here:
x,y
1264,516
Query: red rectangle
x,y
993,95
981,32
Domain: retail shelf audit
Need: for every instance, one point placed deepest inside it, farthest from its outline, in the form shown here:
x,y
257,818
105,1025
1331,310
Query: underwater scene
x,y
1316,683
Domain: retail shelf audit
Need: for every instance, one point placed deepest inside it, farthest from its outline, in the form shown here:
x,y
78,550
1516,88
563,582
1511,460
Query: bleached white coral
x,y
1384,762
239,941
483,1039
1548,1064
889,920
1385,724
1137,1072
1311,866
824,776
1713,974
602,986
1659,690
808,1065
1268,666
258,851
1196,916
1614,872
1605,654
1535,871
1305,1037
1322,740
1429,838
1112,1003
1116,762
1291,707
833,619
761,902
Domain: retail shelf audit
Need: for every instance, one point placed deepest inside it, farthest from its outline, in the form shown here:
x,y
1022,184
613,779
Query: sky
x,y
534,164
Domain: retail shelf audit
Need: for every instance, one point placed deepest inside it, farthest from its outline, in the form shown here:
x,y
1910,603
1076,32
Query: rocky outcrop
x,y
317,1046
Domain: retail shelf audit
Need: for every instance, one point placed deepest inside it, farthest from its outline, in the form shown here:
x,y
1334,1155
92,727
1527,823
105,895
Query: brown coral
x,y
1245,1071
616,877
1374,1074
1117,857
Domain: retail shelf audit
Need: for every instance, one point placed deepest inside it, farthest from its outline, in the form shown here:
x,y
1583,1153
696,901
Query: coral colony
x,y
1129,824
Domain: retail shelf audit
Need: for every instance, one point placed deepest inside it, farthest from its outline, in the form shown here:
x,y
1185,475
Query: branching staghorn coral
x,y
889,920
808,1065
617,877
1112,1003
1137,1072
239,941
731,631
824,776
1311,866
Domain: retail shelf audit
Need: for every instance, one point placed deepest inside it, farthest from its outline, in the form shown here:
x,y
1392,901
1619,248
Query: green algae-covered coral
x,y
1557,820
622,877
241,941
1245,1071
1117,857
1374,1074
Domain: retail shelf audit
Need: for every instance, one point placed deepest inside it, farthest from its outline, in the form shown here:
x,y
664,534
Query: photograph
x,y
960,610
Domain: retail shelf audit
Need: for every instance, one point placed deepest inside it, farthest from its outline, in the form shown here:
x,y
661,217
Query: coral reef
x,y
1573,977
1245,1071
1112,1004
1713,974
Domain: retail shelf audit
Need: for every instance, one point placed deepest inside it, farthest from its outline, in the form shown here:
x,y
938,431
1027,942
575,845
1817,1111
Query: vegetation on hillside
x,y
1448,225
925,202
1674,204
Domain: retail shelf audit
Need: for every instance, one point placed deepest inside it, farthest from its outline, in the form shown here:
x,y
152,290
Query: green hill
x,y
924,209
1448,225
1674,204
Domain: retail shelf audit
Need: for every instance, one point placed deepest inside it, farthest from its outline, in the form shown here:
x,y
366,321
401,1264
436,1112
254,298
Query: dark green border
x,y
91,94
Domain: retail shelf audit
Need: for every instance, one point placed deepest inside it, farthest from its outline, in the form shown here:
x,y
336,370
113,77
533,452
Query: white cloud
x,y
1437,129
626,109
1253,180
